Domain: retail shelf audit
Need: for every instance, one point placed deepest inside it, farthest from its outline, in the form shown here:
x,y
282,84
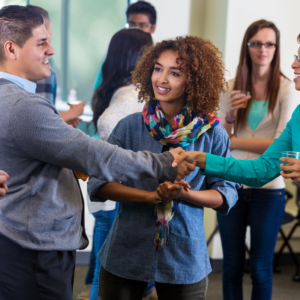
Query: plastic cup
x,y
290,154
247,93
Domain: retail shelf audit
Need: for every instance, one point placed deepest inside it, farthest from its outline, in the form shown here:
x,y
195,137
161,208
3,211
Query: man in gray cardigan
x,y
41,216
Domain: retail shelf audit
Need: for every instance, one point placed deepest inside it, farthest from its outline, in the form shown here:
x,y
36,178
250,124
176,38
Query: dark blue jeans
x,y
103,223
263,209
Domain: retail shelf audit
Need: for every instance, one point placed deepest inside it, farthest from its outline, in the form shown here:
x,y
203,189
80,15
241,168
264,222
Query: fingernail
x,y
1,172
174,165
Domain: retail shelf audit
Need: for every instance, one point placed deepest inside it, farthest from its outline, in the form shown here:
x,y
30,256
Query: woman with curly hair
x,y
158,234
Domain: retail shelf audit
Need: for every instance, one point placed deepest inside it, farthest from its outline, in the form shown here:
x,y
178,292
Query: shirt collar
x,y
27,85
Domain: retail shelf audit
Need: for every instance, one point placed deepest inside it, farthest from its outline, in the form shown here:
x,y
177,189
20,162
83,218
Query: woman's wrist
x,y
230,119
200,160
233,140
151,197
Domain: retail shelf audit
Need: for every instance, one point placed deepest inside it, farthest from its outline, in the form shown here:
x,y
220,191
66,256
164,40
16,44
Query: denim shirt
x,y
129,250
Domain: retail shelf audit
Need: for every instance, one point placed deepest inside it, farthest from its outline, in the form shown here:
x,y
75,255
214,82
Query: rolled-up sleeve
x,y
226,188
116,138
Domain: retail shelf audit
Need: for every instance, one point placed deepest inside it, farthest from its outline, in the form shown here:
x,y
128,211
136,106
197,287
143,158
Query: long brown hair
x,y
243,79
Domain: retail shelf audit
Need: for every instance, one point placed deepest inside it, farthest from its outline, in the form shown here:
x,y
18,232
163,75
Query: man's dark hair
x,y
16,25
41,11
142,7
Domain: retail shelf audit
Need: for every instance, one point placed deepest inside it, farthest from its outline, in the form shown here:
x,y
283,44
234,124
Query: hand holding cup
x,y
238,99
291,166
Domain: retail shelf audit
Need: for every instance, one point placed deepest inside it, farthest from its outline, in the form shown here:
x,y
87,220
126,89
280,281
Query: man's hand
x,y
183,162
186,161
3,187
168,191
291,169
71,117
77,109
74,122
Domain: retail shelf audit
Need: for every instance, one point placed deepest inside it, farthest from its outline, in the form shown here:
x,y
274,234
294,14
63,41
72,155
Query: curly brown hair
x,y
199,59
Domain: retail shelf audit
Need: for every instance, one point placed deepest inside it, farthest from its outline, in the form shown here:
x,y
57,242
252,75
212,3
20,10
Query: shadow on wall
x,y
208,19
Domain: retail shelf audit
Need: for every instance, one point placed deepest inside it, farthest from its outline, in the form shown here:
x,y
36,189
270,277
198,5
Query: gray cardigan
x,y
43,209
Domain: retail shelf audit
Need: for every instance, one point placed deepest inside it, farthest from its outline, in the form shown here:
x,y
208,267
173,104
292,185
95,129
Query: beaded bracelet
x,y
228,120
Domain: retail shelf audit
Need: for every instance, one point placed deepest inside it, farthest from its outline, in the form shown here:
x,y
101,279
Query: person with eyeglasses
x,y
141,15
253,122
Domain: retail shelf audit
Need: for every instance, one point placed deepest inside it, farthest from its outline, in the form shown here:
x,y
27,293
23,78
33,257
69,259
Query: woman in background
x,y
114,99
270,106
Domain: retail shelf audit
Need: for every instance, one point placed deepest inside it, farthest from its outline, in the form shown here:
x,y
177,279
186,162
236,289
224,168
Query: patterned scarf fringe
x,y
161,237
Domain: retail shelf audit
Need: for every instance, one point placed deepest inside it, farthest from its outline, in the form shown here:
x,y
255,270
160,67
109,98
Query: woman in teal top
x,y
255,126
269,165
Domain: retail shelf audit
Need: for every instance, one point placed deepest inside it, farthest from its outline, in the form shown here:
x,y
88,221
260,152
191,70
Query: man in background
x,y
141,15
47,87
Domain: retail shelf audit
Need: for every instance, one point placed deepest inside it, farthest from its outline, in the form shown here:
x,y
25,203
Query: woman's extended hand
x,y
183,161
293,168
235,103
168,191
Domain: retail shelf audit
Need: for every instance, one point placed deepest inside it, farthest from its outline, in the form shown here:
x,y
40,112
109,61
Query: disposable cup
x,y
290,154
247,93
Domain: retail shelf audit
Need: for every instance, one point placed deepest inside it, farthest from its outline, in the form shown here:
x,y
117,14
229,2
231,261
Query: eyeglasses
x,y
140,25
297,57
258,45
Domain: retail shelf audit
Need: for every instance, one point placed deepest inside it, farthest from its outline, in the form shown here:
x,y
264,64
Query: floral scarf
x,y
188,126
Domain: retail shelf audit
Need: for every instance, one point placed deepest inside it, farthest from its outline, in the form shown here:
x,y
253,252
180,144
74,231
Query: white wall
x,y
172,18
285,14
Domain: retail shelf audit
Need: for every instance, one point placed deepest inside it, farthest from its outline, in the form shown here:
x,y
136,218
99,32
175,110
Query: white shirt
x,y
270,127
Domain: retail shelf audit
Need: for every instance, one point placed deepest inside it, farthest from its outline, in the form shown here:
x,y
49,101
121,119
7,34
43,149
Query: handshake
x,y
187,161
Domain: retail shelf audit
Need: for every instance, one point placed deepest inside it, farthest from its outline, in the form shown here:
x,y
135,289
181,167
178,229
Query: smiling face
x,y
296,67
32,60
168,82
263,56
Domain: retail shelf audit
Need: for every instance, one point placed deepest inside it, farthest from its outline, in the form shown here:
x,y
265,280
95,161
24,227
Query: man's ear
x,y
10,49
153,28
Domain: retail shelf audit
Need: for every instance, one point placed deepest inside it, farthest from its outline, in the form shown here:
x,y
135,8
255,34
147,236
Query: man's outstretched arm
x,y
40,132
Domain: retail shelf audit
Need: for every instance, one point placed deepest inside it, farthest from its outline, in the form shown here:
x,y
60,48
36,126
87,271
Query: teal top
x,y
98,79
257,172
258,110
